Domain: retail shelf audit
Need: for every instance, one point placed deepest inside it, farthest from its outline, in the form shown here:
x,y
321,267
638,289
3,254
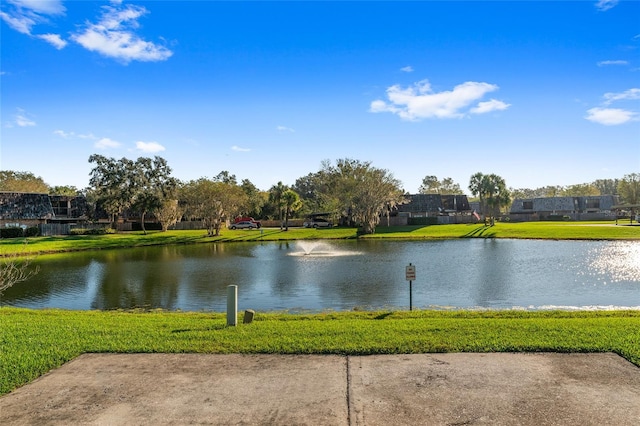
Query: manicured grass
x,y
33,342
533,230
527,230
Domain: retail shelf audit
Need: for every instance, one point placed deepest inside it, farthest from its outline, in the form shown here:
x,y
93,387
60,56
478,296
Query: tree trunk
x,y
286,221
142,222
368,228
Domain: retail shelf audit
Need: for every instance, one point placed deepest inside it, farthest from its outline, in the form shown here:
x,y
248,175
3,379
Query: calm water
x,y
470,273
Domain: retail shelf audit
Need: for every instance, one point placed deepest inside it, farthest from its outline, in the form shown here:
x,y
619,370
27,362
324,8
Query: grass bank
x,y
531,230
33,342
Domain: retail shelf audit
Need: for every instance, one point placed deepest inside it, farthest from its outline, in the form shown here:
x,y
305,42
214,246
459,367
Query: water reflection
x,y
347,274
619,261
495,264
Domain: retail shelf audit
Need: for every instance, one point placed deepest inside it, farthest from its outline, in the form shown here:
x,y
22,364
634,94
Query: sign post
x,y
410,275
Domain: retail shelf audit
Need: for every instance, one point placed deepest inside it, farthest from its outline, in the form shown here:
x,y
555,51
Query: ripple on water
x,y
619,261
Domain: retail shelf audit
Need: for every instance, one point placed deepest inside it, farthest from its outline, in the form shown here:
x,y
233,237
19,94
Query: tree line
x,y
353,192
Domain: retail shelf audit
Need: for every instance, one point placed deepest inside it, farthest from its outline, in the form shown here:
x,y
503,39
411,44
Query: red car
x,y
247,219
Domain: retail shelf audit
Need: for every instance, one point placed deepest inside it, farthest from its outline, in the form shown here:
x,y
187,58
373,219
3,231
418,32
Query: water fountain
x,y
320,249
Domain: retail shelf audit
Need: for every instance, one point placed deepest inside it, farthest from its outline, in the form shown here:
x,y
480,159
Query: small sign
x,y
410,272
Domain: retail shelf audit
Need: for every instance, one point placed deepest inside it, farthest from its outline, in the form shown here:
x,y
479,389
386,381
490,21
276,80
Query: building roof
x,y
22,205
435,203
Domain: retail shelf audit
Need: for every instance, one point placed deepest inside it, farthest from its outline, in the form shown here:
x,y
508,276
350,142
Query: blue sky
x,y
541,93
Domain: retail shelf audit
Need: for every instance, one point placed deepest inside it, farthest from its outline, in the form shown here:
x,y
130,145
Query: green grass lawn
x,y
533,230
33,342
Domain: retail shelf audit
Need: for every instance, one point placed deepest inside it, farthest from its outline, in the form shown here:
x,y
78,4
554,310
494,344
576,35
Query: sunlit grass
x,y
531,230
33,342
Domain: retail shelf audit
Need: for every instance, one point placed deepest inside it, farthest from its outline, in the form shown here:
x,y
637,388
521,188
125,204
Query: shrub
x,y
149,226
423,221
92,231
558,217
31,231
13,232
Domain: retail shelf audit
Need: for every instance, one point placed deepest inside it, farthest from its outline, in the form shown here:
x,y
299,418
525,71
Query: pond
x,y
342,275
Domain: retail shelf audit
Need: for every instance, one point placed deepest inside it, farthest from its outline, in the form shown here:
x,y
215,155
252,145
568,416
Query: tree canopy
x,y
629,188
66,190
432,185
213,202
11,181
142,185
492,191
361,192
152,186
109,184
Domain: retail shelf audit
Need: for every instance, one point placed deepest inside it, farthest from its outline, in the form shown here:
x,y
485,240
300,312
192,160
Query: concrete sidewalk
x,y
423,389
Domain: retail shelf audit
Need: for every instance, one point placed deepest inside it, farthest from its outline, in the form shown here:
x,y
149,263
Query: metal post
x,y
232,305
410,275
410,295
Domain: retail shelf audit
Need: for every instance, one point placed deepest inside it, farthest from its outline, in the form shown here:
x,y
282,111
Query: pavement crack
x,y
348,371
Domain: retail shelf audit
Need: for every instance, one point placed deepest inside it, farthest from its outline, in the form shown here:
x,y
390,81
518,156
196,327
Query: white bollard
x,y
232,305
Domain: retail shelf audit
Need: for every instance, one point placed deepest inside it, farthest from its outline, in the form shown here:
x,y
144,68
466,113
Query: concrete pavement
x,y
420,389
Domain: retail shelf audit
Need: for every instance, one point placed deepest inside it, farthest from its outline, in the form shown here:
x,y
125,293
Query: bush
x,y
31,231
558,217
423,221
92,231
149,226
13,232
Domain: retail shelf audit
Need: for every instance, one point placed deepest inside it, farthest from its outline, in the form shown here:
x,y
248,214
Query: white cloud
x,y
285,129
106,143
605,5
617,62
48,7
408,68
53,39
19,23
238,149
63,134
23,15
114,37
627,95
489,106
149,147
419,101
610,116
21,119
615,116
68,135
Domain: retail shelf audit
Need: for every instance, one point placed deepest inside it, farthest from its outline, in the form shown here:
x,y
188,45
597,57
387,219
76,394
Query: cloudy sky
x,y
541,93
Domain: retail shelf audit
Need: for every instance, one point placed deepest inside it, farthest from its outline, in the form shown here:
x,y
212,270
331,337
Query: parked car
x,y
245,224
317,222
248,219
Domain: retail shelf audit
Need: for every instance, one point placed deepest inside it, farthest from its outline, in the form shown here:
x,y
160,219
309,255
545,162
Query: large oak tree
x,y
213,202
363,193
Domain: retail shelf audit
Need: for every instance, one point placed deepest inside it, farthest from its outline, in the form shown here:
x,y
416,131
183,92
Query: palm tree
x,y
475,186
275,198
291,203
492,192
